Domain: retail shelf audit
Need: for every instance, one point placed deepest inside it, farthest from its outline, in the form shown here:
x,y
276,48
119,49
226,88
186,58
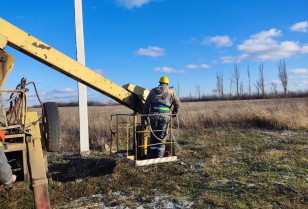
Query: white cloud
x,y
130,4
302,83
305,49
300,27
167,70
233,59
64,90
278,82
194,67
219,41
299,71
152,51
204,66
229,59
263,46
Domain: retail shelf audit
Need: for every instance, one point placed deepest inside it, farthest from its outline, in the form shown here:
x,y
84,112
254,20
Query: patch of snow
x,y
272,140
156,203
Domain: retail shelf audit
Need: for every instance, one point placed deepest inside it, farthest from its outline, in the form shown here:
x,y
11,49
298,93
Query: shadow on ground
x,y
73,167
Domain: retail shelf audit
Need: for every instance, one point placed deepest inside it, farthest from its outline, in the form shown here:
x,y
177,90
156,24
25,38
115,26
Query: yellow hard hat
x,y
164,79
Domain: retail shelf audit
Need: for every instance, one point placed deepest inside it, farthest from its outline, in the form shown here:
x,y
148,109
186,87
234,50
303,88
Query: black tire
x,y
51,127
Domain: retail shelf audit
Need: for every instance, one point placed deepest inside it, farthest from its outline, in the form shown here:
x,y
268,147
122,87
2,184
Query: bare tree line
x,y
259,83
283,75
220,84
236,86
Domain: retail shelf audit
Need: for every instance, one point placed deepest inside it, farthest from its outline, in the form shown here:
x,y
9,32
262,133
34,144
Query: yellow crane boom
x,y
130,95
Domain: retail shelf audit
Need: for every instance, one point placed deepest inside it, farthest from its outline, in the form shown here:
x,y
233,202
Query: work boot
x,y
153,153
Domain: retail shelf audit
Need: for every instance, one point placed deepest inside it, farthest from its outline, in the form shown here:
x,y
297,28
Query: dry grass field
x,y
279,114
232,154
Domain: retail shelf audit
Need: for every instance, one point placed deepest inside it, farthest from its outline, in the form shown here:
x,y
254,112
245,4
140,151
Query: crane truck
x,y
28,136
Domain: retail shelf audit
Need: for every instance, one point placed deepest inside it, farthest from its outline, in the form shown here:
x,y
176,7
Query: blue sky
x,y
138,41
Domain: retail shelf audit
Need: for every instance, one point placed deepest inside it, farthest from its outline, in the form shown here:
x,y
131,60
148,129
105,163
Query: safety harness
x,y
159,108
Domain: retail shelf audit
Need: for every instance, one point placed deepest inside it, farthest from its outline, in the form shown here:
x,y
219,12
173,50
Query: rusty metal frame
x,y
33,158
139,130
22,114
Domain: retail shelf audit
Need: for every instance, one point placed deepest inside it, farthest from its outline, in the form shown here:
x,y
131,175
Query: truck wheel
x,y
51,127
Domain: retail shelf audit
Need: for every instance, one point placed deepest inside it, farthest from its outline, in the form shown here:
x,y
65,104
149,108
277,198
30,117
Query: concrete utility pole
x,y
82,89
